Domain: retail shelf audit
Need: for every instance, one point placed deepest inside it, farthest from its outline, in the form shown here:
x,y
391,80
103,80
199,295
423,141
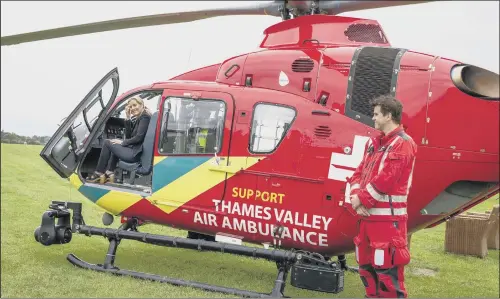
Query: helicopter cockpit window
x,y
269,127
191,127
85,121
93,110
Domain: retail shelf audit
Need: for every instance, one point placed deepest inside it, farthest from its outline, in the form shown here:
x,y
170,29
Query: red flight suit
x,y
382,182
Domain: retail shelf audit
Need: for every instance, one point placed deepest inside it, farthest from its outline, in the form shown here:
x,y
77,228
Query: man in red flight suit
x,y
379,188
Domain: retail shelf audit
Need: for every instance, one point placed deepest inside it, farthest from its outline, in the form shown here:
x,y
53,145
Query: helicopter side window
x,y
191,127
269,126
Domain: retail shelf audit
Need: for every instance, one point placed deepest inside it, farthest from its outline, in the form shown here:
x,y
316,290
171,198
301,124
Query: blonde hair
x,y
140,102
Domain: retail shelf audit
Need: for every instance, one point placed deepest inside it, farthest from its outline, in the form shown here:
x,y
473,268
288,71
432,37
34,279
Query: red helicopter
x,y
258,147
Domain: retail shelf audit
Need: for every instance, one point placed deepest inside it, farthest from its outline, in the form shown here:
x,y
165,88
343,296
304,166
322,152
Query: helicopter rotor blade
x,y
273,8
333,7
262,8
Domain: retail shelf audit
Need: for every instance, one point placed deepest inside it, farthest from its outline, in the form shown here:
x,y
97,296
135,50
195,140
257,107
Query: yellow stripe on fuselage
x,y
75,181
157,160
197,181
116,202
175,194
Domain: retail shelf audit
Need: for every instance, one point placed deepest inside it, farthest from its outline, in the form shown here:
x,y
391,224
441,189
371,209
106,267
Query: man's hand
x,y
355,202
116,141
362,211
356,205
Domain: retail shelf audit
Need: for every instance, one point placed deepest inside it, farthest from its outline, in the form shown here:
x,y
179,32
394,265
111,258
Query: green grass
x,y
32,270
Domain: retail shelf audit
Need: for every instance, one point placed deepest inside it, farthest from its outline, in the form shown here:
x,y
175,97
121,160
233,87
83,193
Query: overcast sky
x,y
43,81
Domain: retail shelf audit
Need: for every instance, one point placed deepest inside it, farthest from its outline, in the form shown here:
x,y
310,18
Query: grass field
x,y
32,270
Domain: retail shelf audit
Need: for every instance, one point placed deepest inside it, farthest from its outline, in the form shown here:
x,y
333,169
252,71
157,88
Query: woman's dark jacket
x,y
135,131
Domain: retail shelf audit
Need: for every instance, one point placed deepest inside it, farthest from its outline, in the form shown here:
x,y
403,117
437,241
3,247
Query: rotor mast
x,y
297,8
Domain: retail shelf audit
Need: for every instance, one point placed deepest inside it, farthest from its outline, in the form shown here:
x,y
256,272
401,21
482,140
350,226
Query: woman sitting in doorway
x,y
128,150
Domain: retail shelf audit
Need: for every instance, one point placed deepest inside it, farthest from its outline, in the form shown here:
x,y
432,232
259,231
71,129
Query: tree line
x,y
9,137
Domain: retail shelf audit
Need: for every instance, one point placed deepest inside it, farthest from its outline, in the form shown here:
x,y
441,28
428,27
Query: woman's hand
x,y
116,141
127,111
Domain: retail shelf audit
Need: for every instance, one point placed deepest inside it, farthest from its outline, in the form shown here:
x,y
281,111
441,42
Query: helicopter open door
x,y
65,149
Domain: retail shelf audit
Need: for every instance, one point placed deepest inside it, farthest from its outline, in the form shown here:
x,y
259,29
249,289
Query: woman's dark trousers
x,y
110,154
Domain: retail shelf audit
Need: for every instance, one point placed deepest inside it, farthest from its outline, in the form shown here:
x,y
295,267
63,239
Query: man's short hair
x,y
389,104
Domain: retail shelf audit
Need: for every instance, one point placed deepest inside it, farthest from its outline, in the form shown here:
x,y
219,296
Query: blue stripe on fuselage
x,y
92,193
172,168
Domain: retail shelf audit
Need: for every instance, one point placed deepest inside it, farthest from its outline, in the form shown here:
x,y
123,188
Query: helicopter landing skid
x,y
114,237
153,277
308,270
